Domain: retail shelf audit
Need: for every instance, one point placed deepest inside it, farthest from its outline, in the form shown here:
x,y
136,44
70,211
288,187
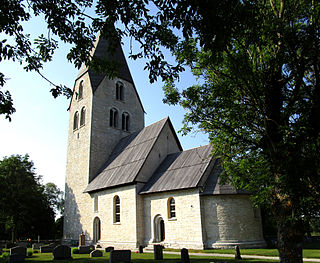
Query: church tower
x,y
102,111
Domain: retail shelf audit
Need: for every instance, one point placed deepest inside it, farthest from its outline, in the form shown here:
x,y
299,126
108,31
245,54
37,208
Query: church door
x,y
162,232
96,230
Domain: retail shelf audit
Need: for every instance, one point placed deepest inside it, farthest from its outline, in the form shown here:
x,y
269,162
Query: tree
x,y
55,197
258,96
24,209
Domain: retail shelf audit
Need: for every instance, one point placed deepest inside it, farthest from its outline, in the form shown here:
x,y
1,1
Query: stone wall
x,y
183,231
230,220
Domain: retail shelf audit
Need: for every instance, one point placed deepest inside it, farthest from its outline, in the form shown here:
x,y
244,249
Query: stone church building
x,y
129,185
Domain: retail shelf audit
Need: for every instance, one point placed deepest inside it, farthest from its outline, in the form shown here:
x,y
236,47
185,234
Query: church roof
x,y
128,157
101,50
180,170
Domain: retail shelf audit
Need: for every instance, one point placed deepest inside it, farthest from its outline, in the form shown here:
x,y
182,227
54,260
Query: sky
x,y
39,127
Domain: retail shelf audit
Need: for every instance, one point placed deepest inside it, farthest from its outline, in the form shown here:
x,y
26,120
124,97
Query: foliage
x,y
29,254
55,197
24,209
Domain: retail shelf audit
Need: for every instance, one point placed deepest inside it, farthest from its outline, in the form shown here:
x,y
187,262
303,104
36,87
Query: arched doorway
x,y
158,229
96,230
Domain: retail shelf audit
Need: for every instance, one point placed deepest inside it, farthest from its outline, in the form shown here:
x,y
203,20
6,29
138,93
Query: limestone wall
x,y
185,229
230,220
123,234
77,167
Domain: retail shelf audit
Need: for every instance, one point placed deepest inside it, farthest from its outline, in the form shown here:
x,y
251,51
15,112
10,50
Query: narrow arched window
x,y
125,121
116,217
76,120
119,91
80,96
96,229
171,208
83,117
113,120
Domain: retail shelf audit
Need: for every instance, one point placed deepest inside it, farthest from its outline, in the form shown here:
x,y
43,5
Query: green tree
x,y
24,209
55,197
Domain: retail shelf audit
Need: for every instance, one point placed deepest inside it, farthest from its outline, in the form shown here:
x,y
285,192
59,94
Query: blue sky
x,y
39,126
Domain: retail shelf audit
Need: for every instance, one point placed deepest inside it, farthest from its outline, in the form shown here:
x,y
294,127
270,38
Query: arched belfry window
x,y
76,120
113,120
119,91
83,116
80,95
171,208
125,121
96,229
116,209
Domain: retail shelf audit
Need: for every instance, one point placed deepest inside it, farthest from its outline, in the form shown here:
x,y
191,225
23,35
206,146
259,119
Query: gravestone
x,y
237,255
185,256
61,252
82,239
19,251
16,258
96,253
109,249
37,245
120,256
98,246
85,249
22,244
140,249
47,248
157,252
9,245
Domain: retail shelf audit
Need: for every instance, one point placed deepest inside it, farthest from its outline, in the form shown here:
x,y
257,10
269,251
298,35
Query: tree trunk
x,y
290,238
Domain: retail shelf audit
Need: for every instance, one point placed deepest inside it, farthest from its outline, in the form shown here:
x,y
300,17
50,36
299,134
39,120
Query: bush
x,y
29,254
35,251
4,257
75,250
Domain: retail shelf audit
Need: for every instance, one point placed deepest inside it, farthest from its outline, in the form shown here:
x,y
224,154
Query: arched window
x,y
116,205
171,208
125,121
80,96
96,229
113,118
119,91
83,117
75,120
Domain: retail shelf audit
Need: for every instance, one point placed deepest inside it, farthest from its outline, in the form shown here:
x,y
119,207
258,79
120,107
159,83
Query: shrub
x,y
75,250
29,254
4,257
35,251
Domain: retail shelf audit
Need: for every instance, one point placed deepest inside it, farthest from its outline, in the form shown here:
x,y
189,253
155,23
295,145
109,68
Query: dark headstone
x,y
185,256
16,258
109,249
61,252
22,244
237,255
96,253
37,245
120,256
157,252
85,249
140,249
19,250
46,249
82,239
98,246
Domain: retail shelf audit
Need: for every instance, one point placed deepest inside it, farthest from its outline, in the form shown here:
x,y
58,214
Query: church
x,y
128,185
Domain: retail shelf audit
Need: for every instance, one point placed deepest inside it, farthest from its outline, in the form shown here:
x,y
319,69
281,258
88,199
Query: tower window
x,y
116,216
80,96
125,121
119,91
83,117
75,120
96,203
171,208
113,121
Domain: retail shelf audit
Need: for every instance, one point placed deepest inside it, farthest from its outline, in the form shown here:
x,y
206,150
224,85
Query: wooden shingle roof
x,y
180,171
